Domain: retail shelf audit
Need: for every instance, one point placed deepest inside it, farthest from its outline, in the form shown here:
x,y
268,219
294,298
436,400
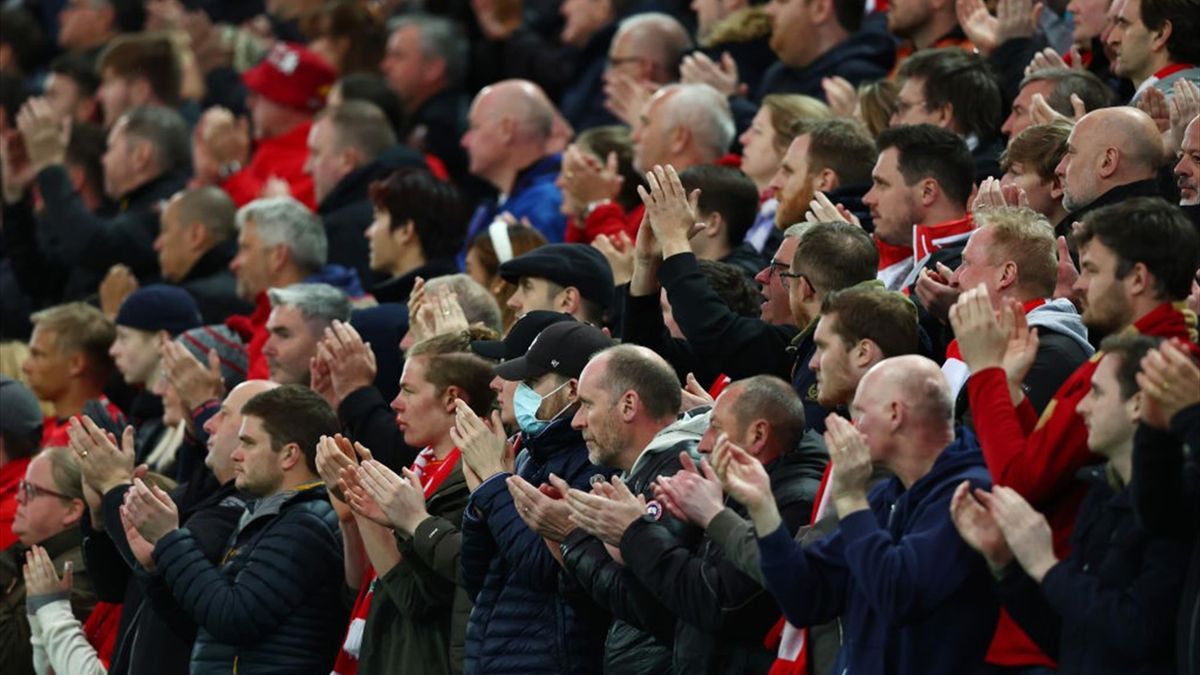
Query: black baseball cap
x,y
564,348
520,335
577,265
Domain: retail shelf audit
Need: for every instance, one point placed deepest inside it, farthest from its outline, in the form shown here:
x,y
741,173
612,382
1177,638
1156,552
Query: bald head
x,y
915,381
523,102
1108,148
658,38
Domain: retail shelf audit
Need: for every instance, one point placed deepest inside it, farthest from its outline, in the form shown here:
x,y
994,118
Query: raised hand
x,y
104,466
334,453
360,501
1026,531
195,383
670,209
977,527
626,96
583,179
1154,103
143,551
841,96
45,134
698,68
40,576
607,511
1048,58
1041,112
822,210
151,511
981,337
119,283
693,395
938,290
1020,352
618,251
1183,107
225,138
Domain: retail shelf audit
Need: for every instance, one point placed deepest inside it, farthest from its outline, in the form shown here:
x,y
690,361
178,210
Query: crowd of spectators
x,y
787,337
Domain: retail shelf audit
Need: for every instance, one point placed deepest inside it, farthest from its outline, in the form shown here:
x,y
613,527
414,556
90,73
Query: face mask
x,y
526,402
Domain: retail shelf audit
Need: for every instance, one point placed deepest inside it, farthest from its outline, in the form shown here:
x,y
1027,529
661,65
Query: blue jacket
x,y
534,196
1108,607
521,622
273,605
913,597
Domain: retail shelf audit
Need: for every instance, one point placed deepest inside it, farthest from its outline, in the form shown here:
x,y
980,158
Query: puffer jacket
x,y
520,622
273,605
418,618
723,613
641,635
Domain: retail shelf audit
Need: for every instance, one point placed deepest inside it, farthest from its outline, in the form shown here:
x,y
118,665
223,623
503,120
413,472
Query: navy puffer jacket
x,y
521,623
273,605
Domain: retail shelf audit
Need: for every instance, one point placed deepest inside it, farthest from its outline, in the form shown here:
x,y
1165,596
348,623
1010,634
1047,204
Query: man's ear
x,y
681,137
1056,191
1159,38
140,92
945,115
714,226
76,364
452,394
143,155
826,180
929,191
627,406
1140,281
195,234
568,300
289,456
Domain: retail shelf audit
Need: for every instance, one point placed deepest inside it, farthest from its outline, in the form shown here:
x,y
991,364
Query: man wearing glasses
x,y
49,506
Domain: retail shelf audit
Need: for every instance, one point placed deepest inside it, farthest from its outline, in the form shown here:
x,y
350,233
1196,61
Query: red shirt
x,y
1040,457
282,156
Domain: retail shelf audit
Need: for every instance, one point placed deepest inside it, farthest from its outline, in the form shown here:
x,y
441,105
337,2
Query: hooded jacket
x,y
642,632
913,597
273,604
521,622
722,613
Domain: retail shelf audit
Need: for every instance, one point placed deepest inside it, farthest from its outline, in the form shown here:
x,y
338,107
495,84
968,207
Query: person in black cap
x,y
147,319
514,345
571,278
517,594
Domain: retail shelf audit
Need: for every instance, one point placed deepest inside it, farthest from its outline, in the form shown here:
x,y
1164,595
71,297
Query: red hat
x,y
293,76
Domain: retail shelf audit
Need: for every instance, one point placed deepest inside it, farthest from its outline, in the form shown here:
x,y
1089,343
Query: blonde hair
x,y
80,328
1025,237
789,112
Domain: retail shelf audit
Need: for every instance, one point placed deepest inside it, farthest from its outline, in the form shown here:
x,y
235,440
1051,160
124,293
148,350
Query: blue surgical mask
x,y
526,402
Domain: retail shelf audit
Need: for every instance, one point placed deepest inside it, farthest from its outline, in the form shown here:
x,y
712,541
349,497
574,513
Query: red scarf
x,y
432,472
100,629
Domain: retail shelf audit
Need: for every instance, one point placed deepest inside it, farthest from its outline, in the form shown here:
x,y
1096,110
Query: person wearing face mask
x,y
507,570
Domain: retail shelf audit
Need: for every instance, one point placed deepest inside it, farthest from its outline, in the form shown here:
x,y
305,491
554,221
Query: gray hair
x,y
211,207
319,304
659,37
440,39
478,304
797,230
283,220
360,125
702,110
165,131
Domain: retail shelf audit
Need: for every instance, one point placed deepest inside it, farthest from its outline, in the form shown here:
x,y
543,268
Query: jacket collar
x,y
397,289
214,261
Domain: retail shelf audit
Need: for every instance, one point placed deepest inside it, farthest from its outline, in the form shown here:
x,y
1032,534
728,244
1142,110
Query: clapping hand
x,y
993,195
547,516
45,134
150,510
485,449
851,459
626,96
1026,531
350,360
691,495
607,511
822,210
143,551
1170,382
401,498
40,576
193,382
103,465
744,478
617,249
698,68
976,525
981,337
335,453
671,210
1041,112
938,290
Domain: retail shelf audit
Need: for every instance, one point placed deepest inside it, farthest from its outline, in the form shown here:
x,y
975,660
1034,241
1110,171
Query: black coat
x,y
1166,494
273,604
521,622
347,210
213,286
864,56
642,632
722,614
1116,195
1108,607
87,244
155,633
582,102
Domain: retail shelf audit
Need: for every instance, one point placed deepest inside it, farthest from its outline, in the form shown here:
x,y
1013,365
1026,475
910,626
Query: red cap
x,y
293,76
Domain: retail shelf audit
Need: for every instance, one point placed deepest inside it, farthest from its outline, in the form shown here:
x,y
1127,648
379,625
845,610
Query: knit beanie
x,y
159,307
230,349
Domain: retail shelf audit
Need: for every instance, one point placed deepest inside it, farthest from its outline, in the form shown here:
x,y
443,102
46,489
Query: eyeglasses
x,y
618,61
903,106
786,277
27,492
781,270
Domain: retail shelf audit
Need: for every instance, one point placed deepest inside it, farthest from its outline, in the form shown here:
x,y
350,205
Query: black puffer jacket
x,y
273,605
520,622
641,636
